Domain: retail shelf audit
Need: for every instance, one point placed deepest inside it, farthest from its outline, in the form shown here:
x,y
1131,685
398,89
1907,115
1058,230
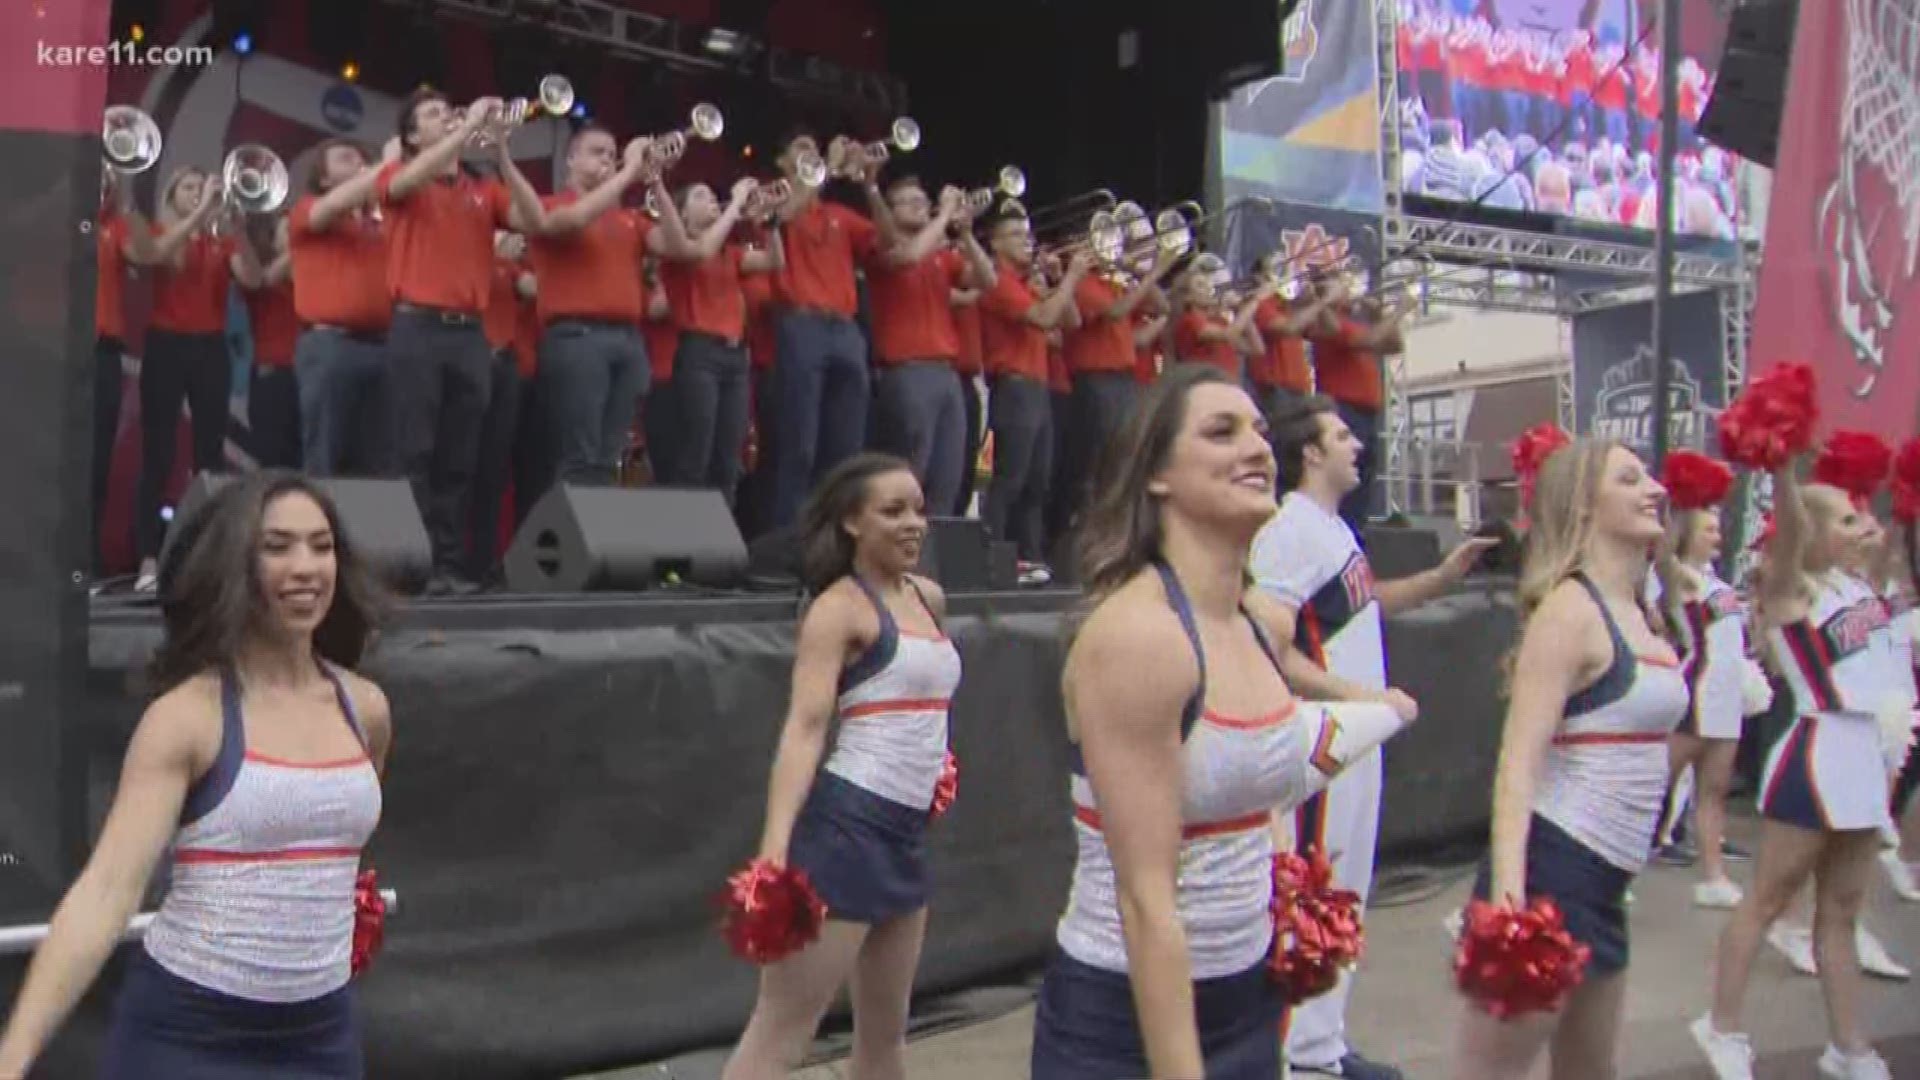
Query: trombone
x,y
706,123
130,141
1010,182
555,98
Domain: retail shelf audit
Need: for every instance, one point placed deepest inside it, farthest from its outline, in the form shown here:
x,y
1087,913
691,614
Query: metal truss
x,y
636,35
1523,249
1386,21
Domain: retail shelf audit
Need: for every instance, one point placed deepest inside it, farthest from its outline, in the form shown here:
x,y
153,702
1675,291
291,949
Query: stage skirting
x,y
572,781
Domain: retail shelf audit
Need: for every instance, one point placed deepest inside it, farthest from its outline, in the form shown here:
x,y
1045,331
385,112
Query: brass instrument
x,y
1011,183
254,180
130,141
706,123
555,97
902,135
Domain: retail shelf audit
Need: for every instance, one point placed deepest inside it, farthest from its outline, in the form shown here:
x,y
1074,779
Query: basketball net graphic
x,y
1880,145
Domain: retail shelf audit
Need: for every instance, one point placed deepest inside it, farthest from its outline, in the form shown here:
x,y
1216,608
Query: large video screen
x,y
1553,106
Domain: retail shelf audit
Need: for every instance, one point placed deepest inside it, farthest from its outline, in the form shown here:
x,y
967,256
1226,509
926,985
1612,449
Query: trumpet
x,y
903,135
555,98
810,169
1011,182
768,198
706,123
254,180
130,141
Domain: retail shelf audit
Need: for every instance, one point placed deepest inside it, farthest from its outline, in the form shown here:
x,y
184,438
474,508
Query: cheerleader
x,y
873,653
1904,847
1824,788
1186,739
260,765
1594,696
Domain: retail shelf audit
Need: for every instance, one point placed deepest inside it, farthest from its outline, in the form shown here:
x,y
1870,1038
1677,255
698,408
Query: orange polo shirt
x,y
500,321
1283,362
1189,348
275,325
912,308
192,298
966,322
339,273
1010,344
593,274
705,296
823,242
440,248
1347,373
110,288
1101,344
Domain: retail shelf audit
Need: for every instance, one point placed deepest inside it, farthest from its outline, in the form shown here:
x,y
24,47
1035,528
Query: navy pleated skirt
x,y
169,1028
866,855
1591,892
1085,1026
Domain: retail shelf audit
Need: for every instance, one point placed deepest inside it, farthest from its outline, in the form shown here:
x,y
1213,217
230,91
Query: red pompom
x,y
1531,451
1906,481
1316,928
1695,481
1771,422
369,920
771,912
947,788
1513,962
1856,462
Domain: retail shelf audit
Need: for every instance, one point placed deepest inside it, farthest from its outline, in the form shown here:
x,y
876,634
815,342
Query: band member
x,y
821,374
439,274
1348,344
259,766
1150,322
532,467
1186,739
1207,332
186,349
1825,783
512,290
1100,356
587,256
710,369
1594,695
1014,323
339,247
916,343
1329,606
762,343
1279,370
122,232
970,365
873,652
273,393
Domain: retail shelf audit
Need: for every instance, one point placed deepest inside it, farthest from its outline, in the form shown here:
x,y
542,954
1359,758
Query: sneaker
x,y
1729,1052
1865,1065
1733,852
1721,895
1675,855
149,579
1796,944
1033,573
1874,958
1900,876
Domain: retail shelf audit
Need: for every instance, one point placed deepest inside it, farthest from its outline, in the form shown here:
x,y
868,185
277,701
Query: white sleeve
x,y
1334,735
1287,562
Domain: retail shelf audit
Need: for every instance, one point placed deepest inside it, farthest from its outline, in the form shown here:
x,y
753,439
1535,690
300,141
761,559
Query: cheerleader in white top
x,y
871,654
1594,696
1187,739
1824,789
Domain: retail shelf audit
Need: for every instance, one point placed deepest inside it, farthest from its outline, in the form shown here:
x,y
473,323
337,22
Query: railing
x,y
1432,478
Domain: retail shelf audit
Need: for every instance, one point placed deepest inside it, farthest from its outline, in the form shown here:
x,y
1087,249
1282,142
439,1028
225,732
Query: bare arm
x,y
1305,677
768,260
1784,586
1408,593
888,235
1149,331
826,634
525,215
1553,653
435,160
1143,289
1051,313
343,199
981,272
164,248
671,239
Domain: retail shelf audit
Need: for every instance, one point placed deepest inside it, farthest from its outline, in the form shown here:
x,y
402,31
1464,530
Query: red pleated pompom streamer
x,y
1513,962
1695,481
771,912
369,920
1316,927
1772,420
1856,462
1531,450
946,789
1906,481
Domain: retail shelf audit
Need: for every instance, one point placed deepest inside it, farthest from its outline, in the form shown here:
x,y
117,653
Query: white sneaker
x,y
1900,876
1455,922
1796,944
1729,1052
1864,1066
1874,958
1722,895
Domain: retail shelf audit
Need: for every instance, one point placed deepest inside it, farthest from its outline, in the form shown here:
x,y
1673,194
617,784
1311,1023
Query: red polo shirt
x,y
1346,372
1146,358
593,274
912,308
526,337
340,273
1188,346
275,326
440,251
1012,345
1101,344
705,297
966,321
822,245
500,321
762,342
1283,362
110,288
192,297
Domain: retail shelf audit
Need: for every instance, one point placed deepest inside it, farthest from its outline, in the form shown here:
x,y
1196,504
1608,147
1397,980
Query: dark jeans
x,y
1057,512
974,402
821,393
1358,506
273,417
532,471
591,375
346,406
1274,400
190,368
441,379
657,416
922,419
1102,401
710,381
1022,463
495,471
108,378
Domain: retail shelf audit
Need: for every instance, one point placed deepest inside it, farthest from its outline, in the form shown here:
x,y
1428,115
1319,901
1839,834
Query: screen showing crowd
x,y
1553,106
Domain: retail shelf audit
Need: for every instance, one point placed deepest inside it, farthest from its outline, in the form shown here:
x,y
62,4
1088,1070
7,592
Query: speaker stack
x,y
380,518
1743,115
613,539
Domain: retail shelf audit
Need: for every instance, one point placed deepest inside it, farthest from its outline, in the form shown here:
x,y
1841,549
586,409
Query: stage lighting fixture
x,y
243,43
350,71
138,33
579,110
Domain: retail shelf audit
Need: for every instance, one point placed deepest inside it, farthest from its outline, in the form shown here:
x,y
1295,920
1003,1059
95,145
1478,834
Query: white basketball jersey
x,y
1308,558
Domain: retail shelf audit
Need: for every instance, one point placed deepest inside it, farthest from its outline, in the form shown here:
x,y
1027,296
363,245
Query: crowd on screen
x,y
1561,123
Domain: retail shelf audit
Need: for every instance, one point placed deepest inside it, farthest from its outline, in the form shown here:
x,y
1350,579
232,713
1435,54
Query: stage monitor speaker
x,y
1398,551
614,539
1743,115
959,555
380,519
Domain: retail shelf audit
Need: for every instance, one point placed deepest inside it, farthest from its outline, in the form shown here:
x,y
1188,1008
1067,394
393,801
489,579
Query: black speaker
x,y
1743,115
957,554
613,539
380,519
1397,551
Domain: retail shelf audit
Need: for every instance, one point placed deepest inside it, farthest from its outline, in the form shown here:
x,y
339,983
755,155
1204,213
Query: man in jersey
x,y
916,341
1309,561
1348,345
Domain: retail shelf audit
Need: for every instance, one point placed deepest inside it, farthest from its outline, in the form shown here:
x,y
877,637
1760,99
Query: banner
x,y
1844,227
1313,237
1312,134
1613,374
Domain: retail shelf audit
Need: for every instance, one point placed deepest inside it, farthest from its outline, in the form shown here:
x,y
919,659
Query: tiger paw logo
x,y
1299,42
1314,247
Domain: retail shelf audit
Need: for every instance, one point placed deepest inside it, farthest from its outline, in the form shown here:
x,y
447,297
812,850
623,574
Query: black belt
x,y
446,316
592,324
712,339
369,337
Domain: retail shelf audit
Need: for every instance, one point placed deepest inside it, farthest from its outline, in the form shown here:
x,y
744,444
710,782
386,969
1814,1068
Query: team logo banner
x,y
1613,373
1312,238
1844,228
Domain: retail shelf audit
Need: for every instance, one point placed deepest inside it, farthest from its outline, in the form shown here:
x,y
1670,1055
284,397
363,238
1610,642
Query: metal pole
x,y
1663,229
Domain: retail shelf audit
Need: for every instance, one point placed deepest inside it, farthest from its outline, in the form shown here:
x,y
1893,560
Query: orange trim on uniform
x,y
1611,738
1246,823
338,763
1278,716
870,708
206,856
